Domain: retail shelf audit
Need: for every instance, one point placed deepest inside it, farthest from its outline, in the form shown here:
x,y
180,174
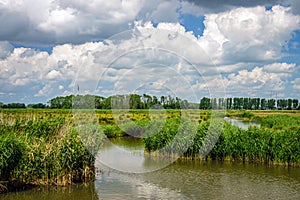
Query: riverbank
x,y
267,145
45,152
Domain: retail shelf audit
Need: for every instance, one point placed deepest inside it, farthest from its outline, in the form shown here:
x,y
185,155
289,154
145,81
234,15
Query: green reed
x,y
255,144
48,151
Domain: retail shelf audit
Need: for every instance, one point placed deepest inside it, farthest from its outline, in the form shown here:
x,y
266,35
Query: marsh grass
x,y
263,145
46,152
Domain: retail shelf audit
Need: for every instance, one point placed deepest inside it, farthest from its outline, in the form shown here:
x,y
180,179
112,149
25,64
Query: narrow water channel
x,y
179,180
242,124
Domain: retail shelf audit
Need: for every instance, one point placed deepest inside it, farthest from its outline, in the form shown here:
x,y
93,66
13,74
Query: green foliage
x,y
11,153
47,151
260,145
112,130
173,136
246,114
277,121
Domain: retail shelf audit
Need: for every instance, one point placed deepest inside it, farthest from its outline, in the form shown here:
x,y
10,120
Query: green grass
x,y
277,122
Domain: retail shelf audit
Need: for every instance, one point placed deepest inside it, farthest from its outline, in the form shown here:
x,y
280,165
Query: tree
x,y
135,101
38,105
163,100
237,103
295,104
205,103
214,104
282,104
271,104
289,104
222,103
16,105
263,104
229,103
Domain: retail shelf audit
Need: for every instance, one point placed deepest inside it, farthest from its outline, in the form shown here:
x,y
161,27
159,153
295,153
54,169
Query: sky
x,y
189,49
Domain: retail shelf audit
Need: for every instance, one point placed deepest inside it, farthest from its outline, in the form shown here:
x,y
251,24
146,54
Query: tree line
x,y
238,103
131,101
136,101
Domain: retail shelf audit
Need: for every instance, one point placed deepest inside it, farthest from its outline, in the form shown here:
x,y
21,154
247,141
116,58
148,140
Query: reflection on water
x,y
242,124
196,180
180,180
76,191
210,180
127,155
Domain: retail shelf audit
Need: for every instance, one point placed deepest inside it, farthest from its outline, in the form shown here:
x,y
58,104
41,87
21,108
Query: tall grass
x,y
280,121
258,145
48,151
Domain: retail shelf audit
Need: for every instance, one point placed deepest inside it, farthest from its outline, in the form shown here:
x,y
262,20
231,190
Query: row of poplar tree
x,y
135,101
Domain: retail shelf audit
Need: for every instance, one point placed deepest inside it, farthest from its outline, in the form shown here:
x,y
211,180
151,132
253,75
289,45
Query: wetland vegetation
x,y
44,147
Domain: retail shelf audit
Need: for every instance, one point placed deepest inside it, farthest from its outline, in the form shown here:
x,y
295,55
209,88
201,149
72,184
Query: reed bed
x,y
263,145
46,152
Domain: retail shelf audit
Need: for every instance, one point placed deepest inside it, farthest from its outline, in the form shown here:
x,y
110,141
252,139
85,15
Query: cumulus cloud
x,y
122,63
66,21
5,49
201,7
296,84
280,67
260,80
162,58
248,34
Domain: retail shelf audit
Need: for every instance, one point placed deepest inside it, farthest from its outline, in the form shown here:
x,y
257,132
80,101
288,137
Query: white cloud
x,y
248,34
296,84
61,87
200,8
166,11
64,21
53,74
163,59
5,49
258,81
59,21
280,68
45,91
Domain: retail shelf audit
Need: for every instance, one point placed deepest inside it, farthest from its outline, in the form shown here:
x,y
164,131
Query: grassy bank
x,y
45,152
271,146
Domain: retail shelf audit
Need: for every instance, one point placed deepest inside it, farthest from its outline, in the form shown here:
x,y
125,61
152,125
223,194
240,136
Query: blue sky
x,y
183,48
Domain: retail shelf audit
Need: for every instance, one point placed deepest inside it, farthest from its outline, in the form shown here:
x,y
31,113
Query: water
x,y
242,124
179,180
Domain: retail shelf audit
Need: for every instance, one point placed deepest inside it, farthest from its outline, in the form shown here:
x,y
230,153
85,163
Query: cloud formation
x,y
241,49
248,34
66,21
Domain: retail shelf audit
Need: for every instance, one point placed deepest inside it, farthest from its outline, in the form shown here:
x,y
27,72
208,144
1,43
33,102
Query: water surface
x,y
179,180
242,124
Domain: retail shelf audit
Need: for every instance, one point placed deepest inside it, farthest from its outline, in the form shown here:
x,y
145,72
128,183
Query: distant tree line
x,y
249,103
131,101
12,105
135,101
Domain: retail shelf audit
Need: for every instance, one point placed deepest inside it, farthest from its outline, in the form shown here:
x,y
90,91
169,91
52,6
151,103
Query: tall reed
x,y
48,151
255,144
